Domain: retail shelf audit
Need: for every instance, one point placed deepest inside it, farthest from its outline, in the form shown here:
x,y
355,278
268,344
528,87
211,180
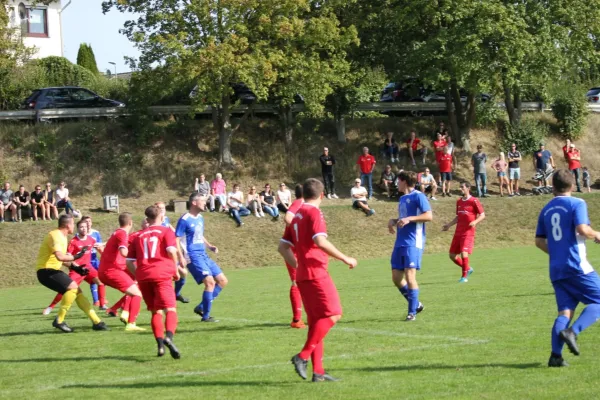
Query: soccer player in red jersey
x,y
295,297
469,212
154,251
308,235
113,272
445,166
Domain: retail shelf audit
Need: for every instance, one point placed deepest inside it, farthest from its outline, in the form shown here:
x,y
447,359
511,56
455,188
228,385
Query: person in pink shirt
x,y
500,165
218,189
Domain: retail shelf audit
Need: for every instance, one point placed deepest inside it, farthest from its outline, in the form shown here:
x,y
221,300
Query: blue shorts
x,y
202,266
577,289
406,257
501,174
95,261
446,176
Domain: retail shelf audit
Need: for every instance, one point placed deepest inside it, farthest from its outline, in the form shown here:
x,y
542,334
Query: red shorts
x,y
158,295
462,244
89,278
291,271
117,279
320,298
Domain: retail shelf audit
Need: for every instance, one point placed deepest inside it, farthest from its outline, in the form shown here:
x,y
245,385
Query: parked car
x,y
67,97
241,92
593,95
408,90
441,96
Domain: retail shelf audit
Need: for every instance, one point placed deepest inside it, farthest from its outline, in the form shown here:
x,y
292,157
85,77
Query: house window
x,y
37,22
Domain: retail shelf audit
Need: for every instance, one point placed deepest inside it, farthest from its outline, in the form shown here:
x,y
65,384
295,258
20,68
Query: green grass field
x,y
487,339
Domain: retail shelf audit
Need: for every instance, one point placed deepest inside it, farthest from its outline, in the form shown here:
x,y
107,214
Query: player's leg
x,y
53,304
113,310
295,300
60,282
134,307
85,306
566,304
183,272
207,299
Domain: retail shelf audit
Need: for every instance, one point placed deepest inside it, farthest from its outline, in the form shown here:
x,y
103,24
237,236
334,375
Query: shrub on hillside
x,y
527,136
487,114
569,106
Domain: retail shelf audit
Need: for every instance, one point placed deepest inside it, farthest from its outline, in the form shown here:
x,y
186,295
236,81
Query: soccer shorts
x,y
514,173
446,176
158,295
202,266
320,298
577,289
406,257
117,279
462,244
89,278
54,279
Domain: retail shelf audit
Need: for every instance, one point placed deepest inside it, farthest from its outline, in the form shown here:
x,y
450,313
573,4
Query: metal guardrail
x,y
65,113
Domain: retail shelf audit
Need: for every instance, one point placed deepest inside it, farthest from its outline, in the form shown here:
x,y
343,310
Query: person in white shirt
x,y
284,198
427,184
235,201
450,150
359,198
63,200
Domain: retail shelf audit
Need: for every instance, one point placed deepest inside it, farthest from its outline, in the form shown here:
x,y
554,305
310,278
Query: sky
x,y
83,22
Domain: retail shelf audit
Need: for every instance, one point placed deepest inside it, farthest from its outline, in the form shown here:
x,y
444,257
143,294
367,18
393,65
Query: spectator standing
x,y
439,149
50,201
566,149
218,189
427,184
7,203
38,203
388,179
501,167
478,161
390,147
253,203
441,130
542,160
413,144
587,180
235,203
445,165
63,200
284,198
574,159
367,163
267,199
22,201
327,163
359,198
514,171
202,187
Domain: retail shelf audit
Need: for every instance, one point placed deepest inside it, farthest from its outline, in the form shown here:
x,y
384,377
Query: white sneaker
x,y
329,196
262,214
257,214
433,198
47,311
335,196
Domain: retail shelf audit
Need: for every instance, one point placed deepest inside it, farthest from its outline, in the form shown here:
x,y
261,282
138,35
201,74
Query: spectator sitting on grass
x,y
38,203
267,199
390,147
427,184
202,187
359,198
235,201
388,179
21,199
413,144
253,203
284,198
7,203
63,200
218,187
50,201
587,180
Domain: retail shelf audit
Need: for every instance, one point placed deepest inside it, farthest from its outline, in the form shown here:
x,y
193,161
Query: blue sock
x,y
589,315
413,301
207,298
404,291
560,323
178,286
94,289
217,291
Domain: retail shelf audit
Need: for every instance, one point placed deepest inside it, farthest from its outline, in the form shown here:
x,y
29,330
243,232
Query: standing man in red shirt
x,y
469,212
445,165
413,144
295,297
308,235
439,148
113,272
574,160
155,252
367,163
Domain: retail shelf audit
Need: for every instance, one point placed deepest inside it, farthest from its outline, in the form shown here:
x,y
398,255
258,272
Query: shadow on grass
x,y
237,327
177,384
444,366
77,359
530,295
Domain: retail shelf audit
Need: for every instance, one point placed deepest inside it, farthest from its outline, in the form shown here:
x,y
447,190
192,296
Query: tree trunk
x,y
461,116
512,101
225,133
287,122
340,126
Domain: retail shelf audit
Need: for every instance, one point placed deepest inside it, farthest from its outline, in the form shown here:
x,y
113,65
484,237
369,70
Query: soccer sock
x,y
157,326
559,324
134,309
56,300
216,291
171,323
465,267
458,261
178,286
404,291
316,334
317,359
102,295
589,315
413,301
119,304
207,298
94,289
296,300
87,308
67,301
127,304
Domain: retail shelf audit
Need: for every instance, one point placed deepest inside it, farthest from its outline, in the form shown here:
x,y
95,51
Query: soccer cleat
x,y
471,270
100,326
298,325
555,361
463,280
300,365
161,351
133,328
47,311
62,326
570,339
96,304
104,307
182,299
209,319
323,378
411,317
111,313
124,317
172,349
420,308
198,310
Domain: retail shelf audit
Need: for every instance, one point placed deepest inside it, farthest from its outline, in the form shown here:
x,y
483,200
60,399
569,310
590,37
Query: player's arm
x,y
180,252
328,247
449,224
587,232
175,253
542,244
285,249
212,248
480,217
288,217
427,216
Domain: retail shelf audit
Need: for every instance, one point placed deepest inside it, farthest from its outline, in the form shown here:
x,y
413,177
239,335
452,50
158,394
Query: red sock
x,y
127,303
134,308
296,300
157,326
119,304
171,321
316,334
465,267
317,359
102,295
56,300
458,261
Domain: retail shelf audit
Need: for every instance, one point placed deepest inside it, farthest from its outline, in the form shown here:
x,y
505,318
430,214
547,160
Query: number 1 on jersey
x,y
153,243
296,230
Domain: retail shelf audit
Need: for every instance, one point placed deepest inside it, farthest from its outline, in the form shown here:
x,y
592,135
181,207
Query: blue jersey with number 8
x,y
557,223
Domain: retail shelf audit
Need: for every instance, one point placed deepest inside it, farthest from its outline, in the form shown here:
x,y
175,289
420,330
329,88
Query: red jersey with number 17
x,y
305,227
111,256
150,248
467,211
76,245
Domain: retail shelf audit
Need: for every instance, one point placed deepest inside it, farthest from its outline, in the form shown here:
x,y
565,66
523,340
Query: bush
x,y
527,136
487,114
569,106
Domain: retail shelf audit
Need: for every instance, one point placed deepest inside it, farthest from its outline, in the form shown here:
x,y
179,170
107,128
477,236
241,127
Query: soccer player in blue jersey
x,y
95,261
413,212
204,270
563,226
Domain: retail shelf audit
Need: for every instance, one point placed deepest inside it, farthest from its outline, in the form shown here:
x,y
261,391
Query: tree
x,y
86,58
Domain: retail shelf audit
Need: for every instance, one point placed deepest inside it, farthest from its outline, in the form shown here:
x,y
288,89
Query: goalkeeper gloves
x,y
80,269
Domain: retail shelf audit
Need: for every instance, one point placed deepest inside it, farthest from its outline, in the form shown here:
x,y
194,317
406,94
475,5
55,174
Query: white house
x,y
41,26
